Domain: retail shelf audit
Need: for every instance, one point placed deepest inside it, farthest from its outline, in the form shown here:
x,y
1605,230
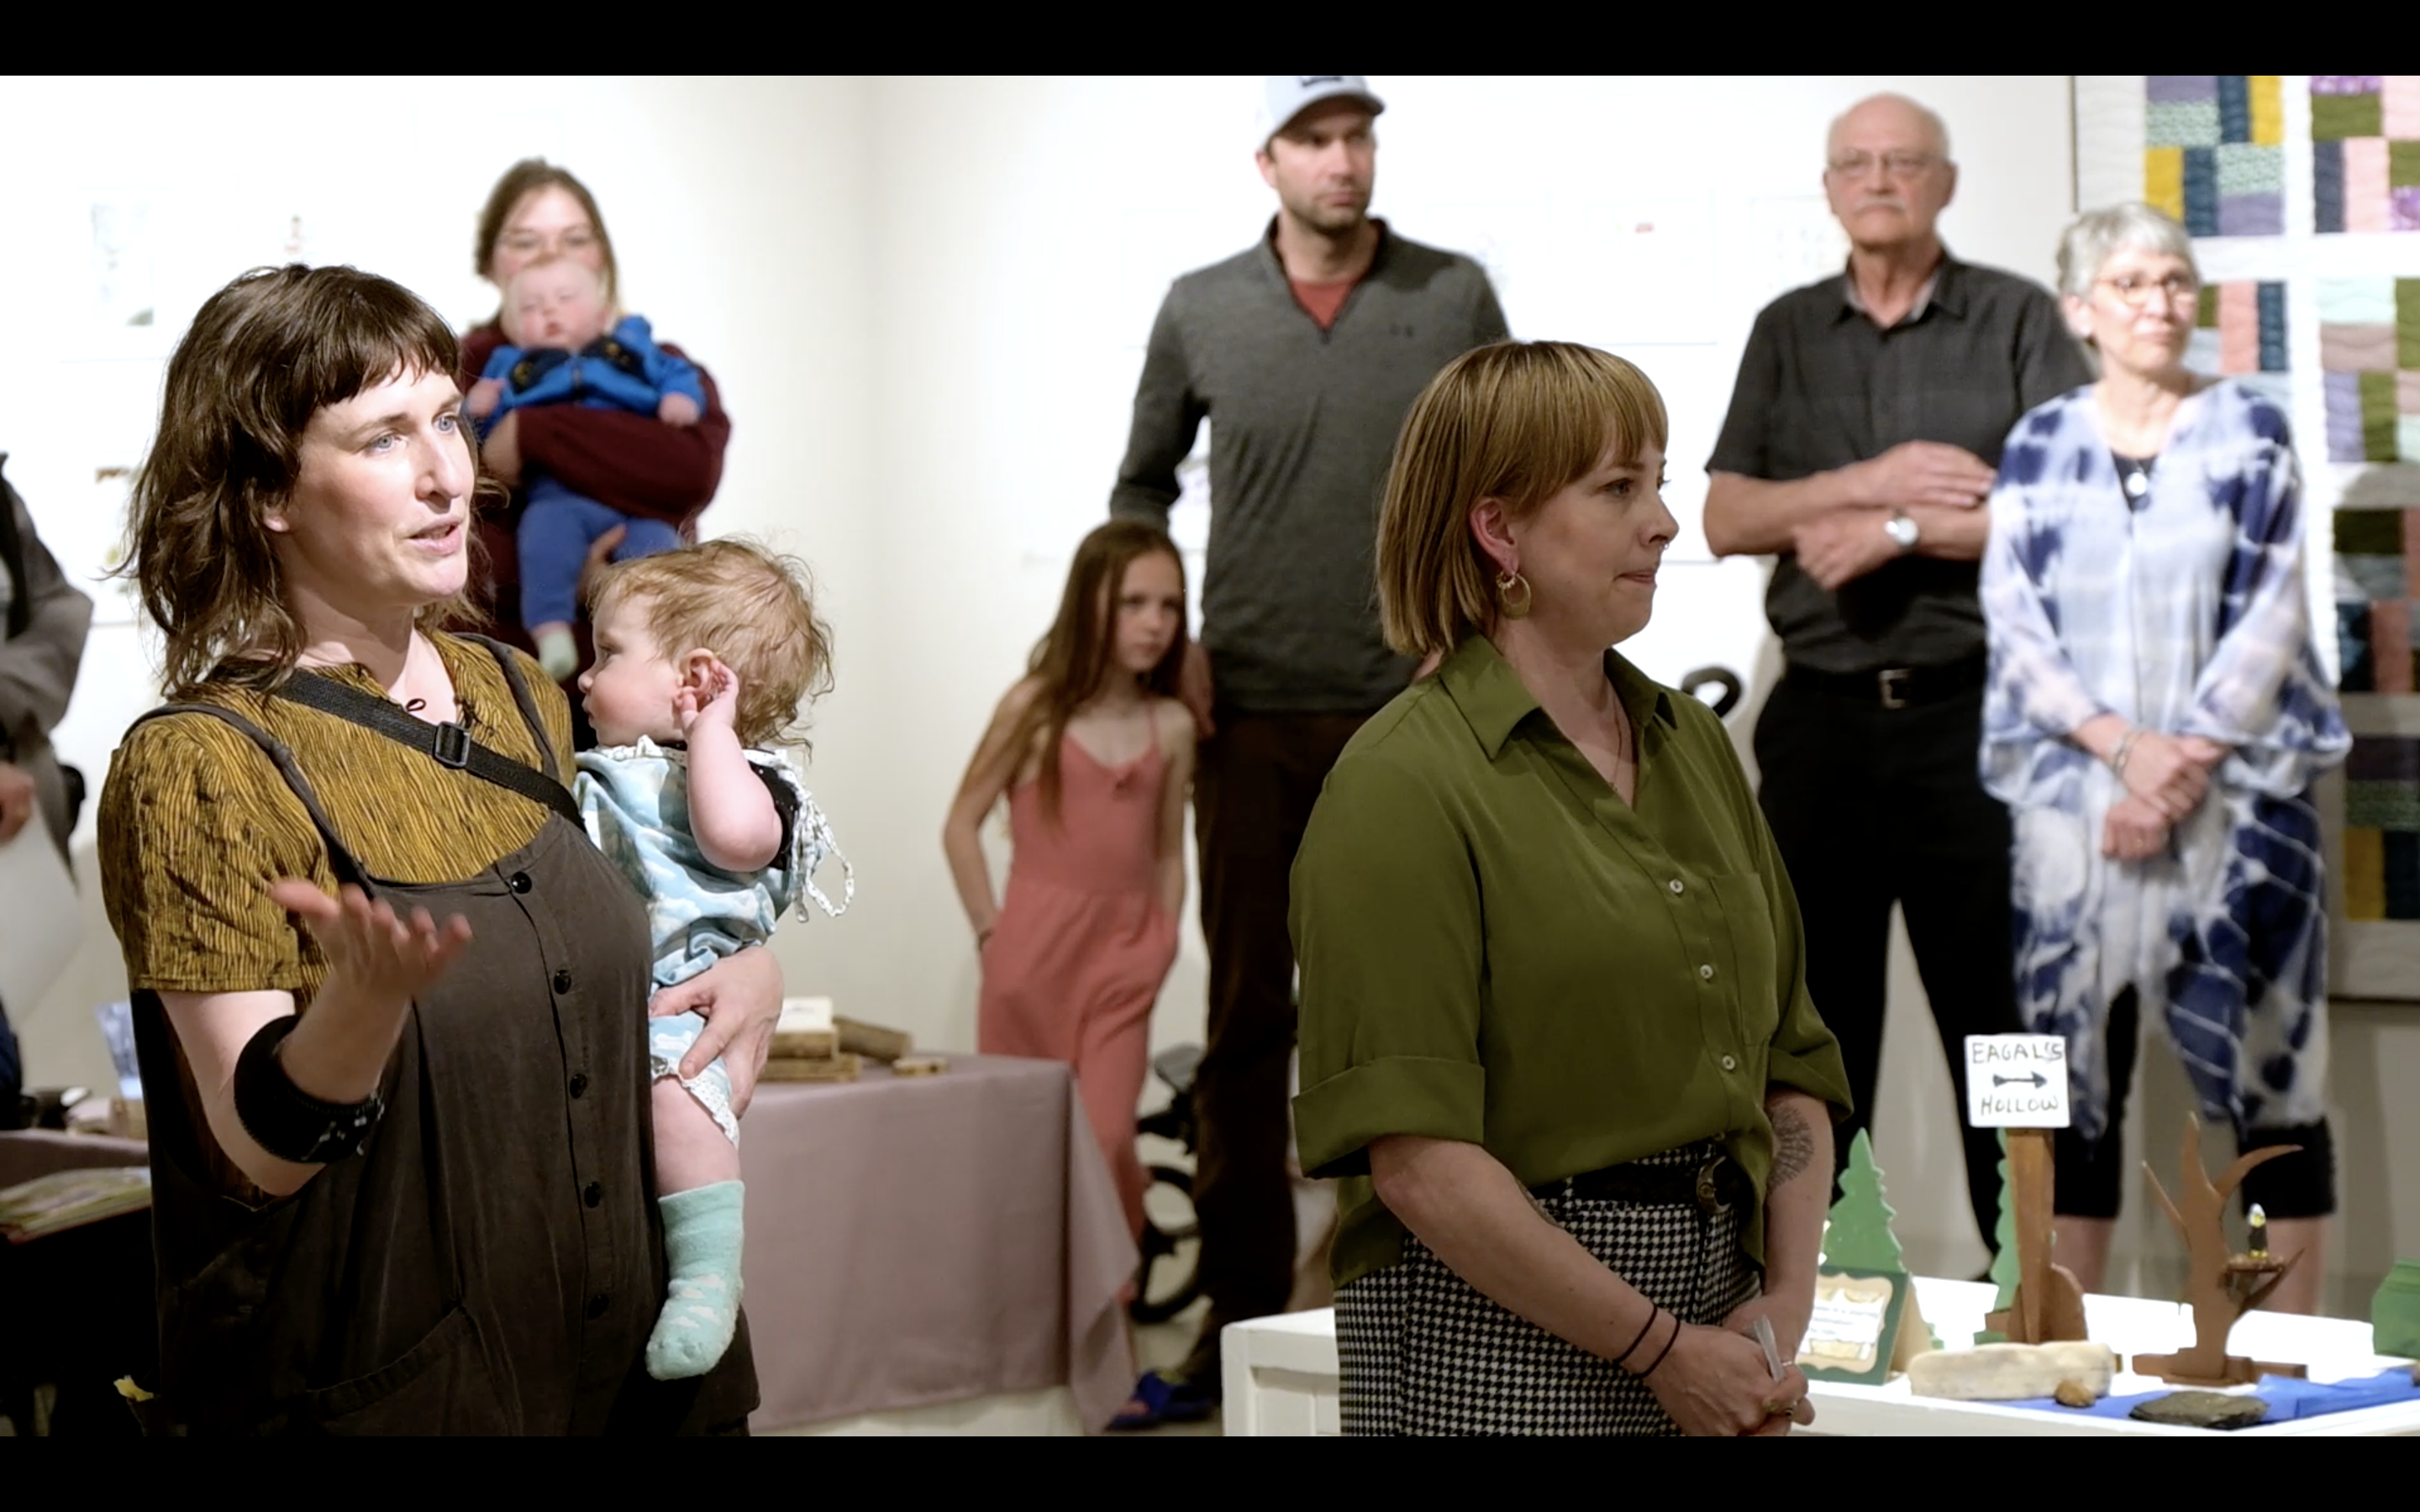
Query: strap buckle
x,y
1709,1196
1893,682
452,745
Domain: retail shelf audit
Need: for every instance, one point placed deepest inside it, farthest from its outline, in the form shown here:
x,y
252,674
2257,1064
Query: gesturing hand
x,y
370,947
1714,1383
710,702
1926,472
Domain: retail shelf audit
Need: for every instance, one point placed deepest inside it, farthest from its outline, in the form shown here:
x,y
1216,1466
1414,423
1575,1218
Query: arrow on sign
x,y
2036,1079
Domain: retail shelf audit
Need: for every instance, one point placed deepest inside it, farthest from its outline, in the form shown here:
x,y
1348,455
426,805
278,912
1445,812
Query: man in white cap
x,y
1304,353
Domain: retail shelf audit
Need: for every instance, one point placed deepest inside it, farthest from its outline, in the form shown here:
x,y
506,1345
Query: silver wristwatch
x,y
1902,532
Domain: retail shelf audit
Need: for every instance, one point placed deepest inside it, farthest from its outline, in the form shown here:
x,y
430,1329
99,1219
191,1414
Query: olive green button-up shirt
x,y
1496,948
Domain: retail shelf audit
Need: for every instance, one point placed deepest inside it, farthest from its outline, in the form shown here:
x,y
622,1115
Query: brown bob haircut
x,y
1517,422
754,609
523,179
263,356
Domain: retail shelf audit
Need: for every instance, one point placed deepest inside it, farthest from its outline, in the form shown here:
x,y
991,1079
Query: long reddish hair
x,y
1074,661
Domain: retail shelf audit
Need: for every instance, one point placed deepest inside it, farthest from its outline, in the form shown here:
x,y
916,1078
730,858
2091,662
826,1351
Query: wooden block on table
x,y
873,1040
920,1065
2011,1372
838,1068
805,1045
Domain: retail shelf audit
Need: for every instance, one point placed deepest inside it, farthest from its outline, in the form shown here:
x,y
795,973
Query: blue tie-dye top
x,y
2183,612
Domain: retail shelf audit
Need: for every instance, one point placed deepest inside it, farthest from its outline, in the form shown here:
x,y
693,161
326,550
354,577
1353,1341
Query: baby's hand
x,y
711,706
483,399
677,410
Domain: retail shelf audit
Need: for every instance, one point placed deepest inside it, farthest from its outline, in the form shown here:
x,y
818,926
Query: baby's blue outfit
x,y
622,370
635,799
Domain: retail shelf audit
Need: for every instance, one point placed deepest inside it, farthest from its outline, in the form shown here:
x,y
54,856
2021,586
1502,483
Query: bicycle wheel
x,y
1168,1280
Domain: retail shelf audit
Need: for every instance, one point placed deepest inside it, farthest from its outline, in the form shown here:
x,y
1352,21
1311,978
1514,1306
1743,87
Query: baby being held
x,y
704,655
564,347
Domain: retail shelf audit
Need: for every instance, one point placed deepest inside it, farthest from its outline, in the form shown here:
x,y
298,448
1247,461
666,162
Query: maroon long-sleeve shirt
x,y
628,462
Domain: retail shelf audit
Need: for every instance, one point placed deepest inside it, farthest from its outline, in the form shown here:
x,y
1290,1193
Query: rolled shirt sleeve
x,y
1386,923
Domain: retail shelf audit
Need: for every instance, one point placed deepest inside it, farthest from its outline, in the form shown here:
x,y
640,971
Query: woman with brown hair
x,y
631,463
1556,1034
401,1167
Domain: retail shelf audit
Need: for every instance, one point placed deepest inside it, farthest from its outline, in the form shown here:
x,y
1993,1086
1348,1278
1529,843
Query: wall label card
x,y
2016,1081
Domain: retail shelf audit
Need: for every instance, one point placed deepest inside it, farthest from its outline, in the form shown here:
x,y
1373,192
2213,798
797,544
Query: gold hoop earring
x,y
1512,595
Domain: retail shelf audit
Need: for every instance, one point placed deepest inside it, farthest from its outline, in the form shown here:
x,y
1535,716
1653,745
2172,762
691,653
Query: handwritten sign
x,y
2016,1081
1853,1332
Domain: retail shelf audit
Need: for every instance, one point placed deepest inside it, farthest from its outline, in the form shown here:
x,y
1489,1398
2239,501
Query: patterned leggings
x,y
1423,1352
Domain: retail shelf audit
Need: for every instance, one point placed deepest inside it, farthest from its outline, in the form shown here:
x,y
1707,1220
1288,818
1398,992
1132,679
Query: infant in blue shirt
x,y
563,347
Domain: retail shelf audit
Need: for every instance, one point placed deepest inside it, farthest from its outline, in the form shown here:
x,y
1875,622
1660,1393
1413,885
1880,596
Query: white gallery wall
x,y
926,302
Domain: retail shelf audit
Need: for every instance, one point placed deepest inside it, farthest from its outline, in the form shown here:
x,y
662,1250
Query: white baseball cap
x,y
1285,96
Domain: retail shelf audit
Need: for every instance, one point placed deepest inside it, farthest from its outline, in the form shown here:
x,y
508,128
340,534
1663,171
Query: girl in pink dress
x,y
1095,755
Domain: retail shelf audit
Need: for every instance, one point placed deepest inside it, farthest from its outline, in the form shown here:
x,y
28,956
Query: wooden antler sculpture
x,y
2220,1286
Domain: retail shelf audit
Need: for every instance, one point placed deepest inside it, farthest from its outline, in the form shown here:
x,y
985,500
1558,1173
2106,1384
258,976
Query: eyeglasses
x,y
2139,292
1893,164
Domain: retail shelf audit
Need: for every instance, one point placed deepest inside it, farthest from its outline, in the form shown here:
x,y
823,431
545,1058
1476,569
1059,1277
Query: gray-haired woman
x,y
2154,717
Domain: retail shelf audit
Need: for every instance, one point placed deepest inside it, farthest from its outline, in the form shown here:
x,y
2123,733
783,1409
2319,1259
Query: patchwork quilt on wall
x,y
2302,193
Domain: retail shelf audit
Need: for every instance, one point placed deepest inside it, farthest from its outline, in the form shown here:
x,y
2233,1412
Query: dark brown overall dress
x,y
491,1263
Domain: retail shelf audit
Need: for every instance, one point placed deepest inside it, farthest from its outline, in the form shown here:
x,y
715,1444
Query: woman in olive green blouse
x,y
1555,1033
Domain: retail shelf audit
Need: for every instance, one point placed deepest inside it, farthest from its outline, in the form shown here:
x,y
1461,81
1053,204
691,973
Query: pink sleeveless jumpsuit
x,y
1082,945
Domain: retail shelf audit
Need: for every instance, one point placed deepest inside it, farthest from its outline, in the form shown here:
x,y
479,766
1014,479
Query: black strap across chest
x,y
449,745
456,750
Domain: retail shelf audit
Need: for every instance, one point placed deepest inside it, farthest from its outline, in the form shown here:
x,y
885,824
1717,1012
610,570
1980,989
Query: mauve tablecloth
x,y
914,1239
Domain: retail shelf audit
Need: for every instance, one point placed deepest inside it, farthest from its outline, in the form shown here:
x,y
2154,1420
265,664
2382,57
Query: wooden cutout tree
x,y
1860,1237
2219,1286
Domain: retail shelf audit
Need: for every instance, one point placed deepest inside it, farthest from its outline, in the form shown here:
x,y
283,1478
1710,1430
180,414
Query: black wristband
x,y
289,1122
1667,1350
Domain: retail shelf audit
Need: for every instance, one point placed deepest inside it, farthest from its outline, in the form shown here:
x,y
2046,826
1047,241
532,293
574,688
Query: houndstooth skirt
x,y
1423,1352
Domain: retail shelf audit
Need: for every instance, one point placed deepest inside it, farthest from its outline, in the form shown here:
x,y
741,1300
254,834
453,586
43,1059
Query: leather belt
x,y
1897,687
1715,1181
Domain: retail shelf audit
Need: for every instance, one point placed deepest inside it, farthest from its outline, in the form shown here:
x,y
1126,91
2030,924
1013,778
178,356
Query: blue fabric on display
x,y
2288,1398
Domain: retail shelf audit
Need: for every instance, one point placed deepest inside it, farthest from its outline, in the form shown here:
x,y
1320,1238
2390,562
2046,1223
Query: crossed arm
x,y
1833,521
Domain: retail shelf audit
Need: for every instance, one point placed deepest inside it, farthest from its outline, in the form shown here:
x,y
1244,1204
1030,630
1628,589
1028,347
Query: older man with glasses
x,y
1863,436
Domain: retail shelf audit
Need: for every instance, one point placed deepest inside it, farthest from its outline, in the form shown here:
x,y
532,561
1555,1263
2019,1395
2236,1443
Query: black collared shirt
x,y
1821,386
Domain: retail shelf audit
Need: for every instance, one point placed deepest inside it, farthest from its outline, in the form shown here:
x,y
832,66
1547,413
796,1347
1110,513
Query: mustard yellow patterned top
x,y
195,823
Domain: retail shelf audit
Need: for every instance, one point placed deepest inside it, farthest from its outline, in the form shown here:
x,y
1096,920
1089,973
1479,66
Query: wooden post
x,y
2031,1173
2049,1305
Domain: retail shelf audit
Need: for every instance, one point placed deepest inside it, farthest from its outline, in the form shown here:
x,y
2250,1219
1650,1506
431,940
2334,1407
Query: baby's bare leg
x,y
692,1150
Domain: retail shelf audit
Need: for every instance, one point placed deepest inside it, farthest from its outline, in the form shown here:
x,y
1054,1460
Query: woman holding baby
x,y
646,468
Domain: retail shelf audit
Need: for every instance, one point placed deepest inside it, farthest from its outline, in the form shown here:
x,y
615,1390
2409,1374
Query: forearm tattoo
x,y
1793,1146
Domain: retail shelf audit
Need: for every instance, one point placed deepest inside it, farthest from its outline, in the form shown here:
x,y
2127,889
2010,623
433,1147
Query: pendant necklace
x,y
2135,476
